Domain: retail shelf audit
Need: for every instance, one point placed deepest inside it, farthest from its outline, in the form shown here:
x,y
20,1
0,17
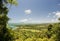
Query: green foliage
x,y
12,2
5,33
30,39
30,33
49,32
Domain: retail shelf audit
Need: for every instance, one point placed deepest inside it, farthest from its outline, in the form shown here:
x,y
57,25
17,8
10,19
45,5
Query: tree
x,y
58,31
59,20
49,34
4,33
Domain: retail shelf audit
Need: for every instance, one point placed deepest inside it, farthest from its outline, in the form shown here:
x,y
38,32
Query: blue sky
x,y
35,11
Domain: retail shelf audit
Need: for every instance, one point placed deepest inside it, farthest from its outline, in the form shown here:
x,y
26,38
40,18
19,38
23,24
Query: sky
x,y
35,11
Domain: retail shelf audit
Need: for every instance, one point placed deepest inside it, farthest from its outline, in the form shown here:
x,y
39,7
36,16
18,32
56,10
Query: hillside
x,y
36,32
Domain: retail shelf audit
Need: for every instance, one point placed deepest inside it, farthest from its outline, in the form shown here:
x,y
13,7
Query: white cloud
x,y
53,12
57,14
28,11
26,20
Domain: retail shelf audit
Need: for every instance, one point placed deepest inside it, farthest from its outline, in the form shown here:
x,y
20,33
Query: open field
x,y
36,32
